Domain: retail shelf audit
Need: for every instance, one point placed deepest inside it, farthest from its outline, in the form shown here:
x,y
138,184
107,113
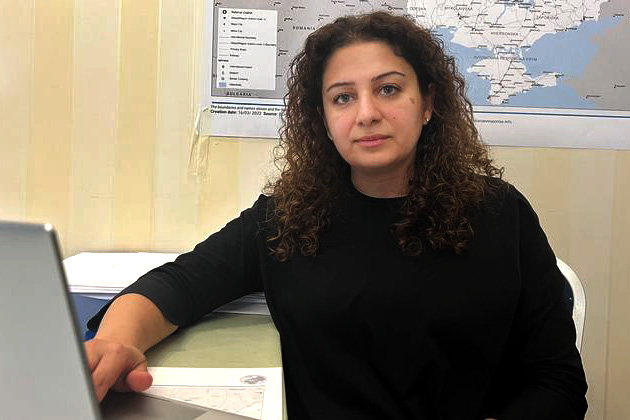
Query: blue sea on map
x,y
476,88
566,52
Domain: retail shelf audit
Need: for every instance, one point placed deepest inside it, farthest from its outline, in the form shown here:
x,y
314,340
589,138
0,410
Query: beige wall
x,y
97,104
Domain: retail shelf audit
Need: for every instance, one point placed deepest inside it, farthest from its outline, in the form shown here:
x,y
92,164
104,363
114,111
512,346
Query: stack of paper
x,y
107,273
104,274
254,303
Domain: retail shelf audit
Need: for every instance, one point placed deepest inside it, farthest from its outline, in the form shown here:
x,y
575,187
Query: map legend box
x,y
246,48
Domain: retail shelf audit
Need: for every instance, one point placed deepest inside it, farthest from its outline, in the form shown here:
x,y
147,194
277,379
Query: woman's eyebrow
x,y
389,73
380,76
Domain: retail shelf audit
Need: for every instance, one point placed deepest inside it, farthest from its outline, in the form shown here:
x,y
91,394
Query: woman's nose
x,y
368,112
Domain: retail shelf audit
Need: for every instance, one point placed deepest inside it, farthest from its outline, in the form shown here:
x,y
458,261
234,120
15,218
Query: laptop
x,y
43,369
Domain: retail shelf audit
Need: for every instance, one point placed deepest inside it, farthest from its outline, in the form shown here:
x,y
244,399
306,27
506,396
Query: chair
x,y
577,300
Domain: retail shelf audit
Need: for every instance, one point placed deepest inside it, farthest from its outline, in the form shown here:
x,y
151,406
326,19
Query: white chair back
x,y
579,300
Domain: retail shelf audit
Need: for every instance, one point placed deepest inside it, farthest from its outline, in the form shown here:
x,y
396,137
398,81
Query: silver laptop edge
x,y
44,371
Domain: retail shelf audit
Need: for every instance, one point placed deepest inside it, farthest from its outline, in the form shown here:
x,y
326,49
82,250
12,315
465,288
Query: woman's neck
x,y
381,186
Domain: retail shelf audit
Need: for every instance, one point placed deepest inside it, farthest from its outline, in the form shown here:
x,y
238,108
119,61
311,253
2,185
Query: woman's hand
x,y
131,325
116,366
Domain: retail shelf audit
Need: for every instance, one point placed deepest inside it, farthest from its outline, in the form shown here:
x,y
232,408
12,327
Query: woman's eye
x,y
389,90
342,98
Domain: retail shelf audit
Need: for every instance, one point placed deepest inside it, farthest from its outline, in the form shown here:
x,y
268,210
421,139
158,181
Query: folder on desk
x,y
85,307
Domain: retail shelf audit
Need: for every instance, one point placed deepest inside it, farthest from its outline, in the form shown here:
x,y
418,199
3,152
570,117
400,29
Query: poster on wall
x,y
539,73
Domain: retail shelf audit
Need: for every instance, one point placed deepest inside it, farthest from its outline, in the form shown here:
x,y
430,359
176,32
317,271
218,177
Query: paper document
x,y
255,392
102,275
110,272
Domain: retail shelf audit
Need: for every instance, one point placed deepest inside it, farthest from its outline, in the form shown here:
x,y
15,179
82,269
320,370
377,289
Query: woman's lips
x,y
372,141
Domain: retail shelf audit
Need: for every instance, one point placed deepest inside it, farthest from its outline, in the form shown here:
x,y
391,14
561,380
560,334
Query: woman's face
x,y
373,109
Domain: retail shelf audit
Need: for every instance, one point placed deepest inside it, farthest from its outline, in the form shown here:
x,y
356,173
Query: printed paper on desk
x,y
255,392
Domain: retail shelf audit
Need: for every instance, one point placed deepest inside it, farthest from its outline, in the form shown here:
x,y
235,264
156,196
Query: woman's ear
x,y
327,130
323,117
429,101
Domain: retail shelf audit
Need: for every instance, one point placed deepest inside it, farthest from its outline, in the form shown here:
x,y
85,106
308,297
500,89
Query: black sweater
x,y
368,333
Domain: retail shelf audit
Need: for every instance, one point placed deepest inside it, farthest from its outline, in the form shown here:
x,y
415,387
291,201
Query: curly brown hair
x,y
447,180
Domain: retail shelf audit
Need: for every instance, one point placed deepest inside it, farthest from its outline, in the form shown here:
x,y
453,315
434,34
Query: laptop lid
x,y
43,369
43,373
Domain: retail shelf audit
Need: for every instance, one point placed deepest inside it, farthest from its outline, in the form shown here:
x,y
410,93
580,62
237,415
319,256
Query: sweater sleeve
x,y
218,270
545,365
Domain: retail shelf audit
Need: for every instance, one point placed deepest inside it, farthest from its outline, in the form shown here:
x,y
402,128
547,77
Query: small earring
x,y
426,121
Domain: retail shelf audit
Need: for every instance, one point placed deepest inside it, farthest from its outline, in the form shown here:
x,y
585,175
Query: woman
x,y
405,279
